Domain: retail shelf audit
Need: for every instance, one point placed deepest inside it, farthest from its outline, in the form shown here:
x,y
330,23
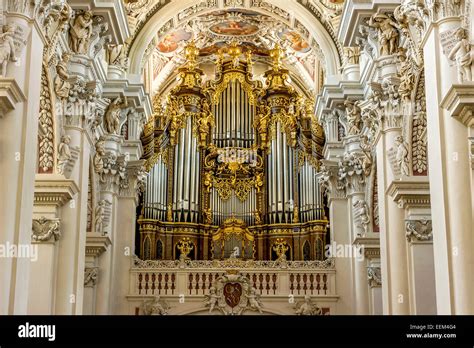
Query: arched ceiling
x,y
305,28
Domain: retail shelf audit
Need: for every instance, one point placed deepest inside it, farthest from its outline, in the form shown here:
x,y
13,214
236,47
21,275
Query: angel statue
x,y
212,299
308,307
155,307
254,301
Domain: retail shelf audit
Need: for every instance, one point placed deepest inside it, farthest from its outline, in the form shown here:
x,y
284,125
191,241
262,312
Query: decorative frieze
x,y
419,230
45,230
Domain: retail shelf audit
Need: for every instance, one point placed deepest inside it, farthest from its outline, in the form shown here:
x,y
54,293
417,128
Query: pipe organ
x,y
232,165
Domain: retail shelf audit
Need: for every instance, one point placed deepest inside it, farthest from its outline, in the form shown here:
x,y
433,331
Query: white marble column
x,y
341,235
392,233
421,263
124,248
109,191
450,186
52,191
18,159
69,294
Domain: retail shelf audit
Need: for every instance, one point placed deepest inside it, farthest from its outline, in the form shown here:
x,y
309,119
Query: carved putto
x,y
156,306
463,54
80,33
7,48
307,307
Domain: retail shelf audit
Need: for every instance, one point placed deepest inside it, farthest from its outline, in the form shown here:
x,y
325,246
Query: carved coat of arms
x,y
232,294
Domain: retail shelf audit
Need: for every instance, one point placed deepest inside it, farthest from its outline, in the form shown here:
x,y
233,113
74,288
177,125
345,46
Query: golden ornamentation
x,y
232,76
261,122
280,247
208,180
208,216
259,181
241,187
185,246
205,123
258,217
169,213
296,215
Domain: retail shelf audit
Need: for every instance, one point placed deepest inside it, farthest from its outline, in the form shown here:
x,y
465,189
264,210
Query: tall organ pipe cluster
x,y
231,156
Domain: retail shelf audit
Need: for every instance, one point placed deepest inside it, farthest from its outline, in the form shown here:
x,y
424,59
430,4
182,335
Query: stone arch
x,y
163,17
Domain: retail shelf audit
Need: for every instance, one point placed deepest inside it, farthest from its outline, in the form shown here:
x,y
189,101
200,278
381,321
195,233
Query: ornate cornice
x,y
96,244
411,192
10,95
51,189
459,102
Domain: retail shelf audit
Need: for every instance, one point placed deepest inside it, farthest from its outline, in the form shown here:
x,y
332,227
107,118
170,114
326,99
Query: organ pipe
x,y
234,105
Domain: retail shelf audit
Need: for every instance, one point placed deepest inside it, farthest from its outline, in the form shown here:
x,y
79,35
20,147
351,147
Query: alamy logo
x,y
37,331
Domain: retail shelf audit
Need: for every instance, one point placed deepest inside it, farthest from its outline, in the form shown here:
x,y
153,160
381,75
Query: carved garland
x,y
419,150
46,127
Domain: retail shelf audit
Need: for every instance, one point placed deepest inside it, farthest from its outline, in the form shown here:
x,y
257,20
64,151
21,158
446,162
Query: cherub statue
x,y
463,55
112,115
64,153
308,307
155,307
7,48
254,300
212,299
81,33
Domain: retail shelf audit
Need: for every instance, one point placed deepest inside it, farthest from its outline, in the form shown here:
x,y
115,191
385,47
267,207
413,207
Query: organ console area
x,y
232,161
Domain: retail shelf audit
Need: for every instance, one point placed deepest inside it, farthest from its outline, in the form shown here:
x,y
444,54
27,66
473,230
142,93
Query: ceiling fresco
x,y
257,25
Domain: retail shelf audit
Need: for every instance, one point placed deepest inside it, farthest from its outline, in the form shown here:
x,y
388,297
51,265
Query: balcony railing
x,y
269,278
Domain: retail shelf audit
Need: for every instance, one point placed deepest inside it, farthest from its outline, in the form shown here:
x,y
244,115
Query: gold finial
x,y
276,54
235,52
191,52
